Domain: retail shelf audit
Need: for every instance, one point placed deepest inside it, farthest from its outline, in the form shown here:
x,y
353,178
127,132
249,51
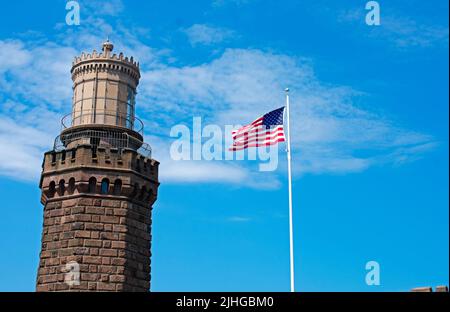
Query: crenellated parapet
x,y
72,172
93,63
105,62
86,57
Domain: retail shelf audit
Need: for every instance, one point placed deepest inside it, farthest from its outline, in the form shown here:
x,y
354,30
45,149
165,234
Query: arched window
x,y
142,193
135,190
105,186
138,164
71,186
92,185
62,187
117,187
51,189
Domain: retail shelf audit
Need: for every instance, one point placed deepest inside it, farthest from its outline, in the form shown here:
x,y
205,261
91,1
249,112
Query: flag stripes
x,y
264,131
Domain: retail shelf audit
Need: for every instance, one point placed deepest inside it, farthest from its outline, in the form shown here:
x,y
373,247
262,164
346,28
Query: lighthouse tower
x,y
98,184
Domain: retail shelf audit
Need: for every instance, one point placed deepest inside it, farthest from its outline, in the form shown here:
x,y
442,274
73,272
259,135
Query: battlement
x,y
92,62
85,170
105,56
105,61
87,155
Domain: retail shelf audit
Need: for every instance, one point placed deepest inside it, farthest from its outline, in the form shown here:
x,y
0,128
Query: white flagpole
x,y
291,230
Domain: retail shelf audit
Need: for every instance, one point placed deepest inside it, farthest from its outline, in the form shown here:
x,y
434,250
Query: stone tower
x,y
98,184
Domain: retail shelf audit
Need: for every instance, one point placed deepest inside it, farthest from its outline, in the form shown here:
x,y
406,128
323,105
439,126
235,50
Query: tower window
x,y
51,189
95,142
135,190
138,164
62,187
71,186
142,193
92,185
117,187
105,186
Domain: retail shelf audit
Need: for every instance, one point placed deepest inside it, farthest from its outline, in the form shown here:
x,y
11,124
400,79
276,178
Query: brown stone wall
x,y
109,239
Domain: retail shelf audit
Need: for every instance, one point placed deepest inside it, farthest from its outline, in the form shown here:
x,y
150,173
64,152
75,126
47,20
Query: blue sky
x,y
370,136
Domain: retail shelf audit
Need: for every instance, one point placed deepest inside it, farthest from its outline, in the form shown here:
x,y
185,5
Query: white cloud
x,y
401,31
330,133
406,32
21,155
41,70
13,54
201,171
207,35
35,84
238,219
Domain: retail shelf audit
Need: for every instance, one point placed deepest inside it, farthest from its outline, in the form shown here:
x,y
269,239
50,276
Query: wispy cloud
x,y
238,219
400,30
22,147
13,48
233,173
330,132
201,34
37,67
405,32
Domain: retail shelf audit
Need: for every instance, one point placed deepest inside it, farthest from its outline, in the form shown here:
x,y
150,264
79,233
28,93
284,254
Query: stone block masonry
x,y
109,239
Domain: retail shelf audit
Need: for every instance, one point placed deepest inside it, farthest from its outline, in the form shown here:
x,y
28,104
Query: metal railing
x,y
102,117
102,138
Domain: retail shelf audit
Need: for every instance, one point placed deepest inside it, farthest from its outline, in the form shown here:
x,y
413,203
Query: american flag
x,y
264,131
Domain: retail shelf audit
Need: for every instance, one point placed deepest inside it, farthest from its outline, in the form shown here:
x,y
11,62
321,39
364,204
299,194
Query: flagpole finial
x,y
286,90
